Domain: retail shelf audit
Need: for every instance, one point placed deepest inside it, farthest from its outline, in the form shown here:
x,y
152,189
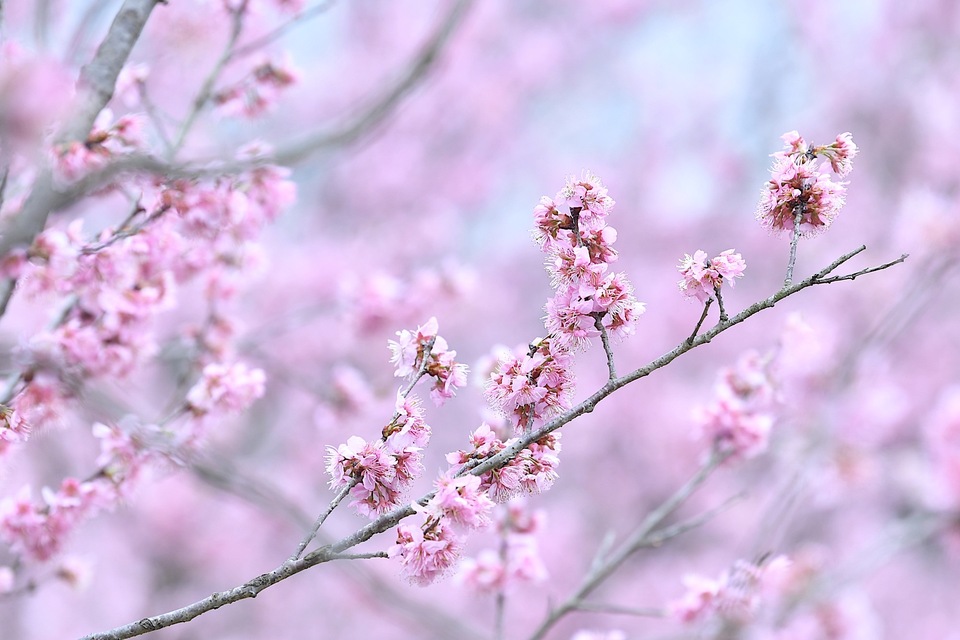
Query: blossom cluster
x,y
378,473
799,192
459,504
738,420
108,139
39,530
702,277
424,350
255,94
117,283
573,232
517,559
734,596
532,470
534,384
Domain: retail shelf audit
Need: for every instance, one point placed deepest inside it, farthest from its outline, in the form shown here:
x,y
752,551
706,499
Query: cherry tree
x,y
286,316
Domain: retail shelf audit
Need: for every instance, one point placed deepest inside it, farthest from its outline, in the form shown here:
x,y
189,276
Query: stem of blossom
x,y
703,316
387,521
794,239
322,518
602,571
605,339
723,312
206,90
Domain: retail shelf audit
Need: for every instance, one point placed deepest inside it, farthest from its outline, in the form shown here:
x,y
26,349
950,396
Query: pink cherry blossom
x,y
426,553
798,187
461,502
225,389
702,276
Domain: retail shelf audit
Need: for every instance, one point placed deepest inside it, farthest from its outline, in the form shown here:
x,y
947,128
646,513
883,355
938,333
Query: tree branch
x,y
387,521
98,78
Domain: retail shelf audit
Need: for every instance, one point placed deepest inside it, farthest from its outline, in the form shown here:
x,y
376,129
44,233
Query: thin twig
x,y
307,539
723,312
641,612
703,316
206,90
794,239
382,107
295,21
155,118
607,349
857,274
614,560
422,371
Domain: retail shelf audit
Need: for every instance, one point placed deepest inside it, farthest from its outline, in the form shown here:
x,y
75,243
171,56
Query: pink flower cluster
x,y
739,419
380,472
13,428
533,470
799,188
426,553
424,349
225,389
579,247
518,559
702,278
429,551
734,596
106,141
532,385
255,94
38,531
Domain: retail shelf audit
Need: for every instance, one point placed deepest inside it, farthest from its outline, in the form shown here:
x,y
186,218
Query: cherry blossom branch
x,y
55,199
98,78
125,230
307,539
422,371
263,494
589,404
387,521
